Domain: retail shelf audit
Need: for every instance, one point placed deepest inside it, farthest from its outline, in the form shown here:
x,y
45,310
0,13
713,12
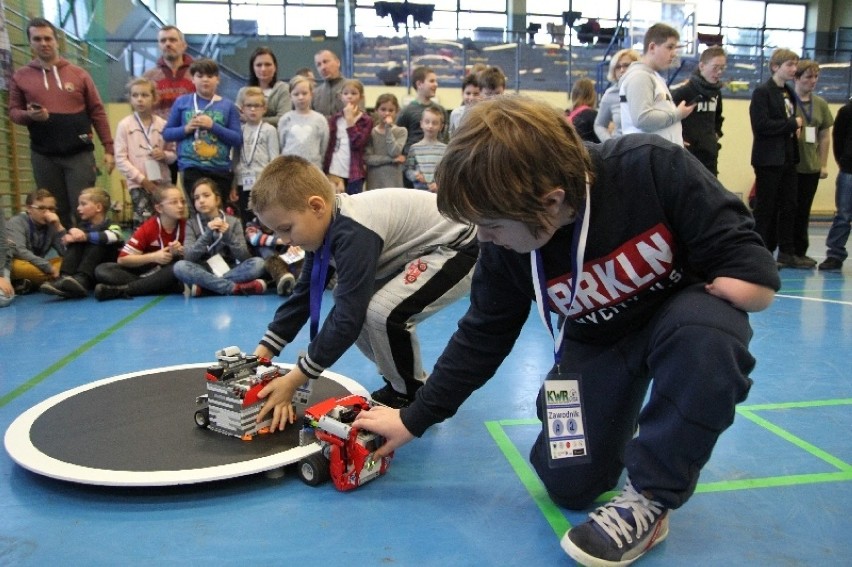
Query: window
x,y
272,17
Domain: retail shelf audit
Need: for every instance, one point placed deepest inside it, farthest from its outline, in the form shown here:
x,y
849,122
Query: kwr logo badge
x,y
562,396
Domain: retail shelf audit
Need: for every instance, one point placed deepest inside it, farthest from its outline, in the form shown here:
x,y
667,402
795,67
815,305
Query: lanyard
x,y
319,271
253,147
146,133
808,114
197,112
578,252
201,229
160,233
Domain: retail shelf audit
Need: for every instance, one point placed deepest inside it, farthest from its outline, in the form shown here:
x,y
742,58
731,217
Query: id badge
x,y
152,170
218,265
810,134
564,423
247,182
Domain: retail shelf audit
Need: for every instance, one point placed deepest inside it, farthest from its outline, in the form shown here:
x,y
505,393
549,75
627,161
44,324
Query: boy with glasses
x,y
32,235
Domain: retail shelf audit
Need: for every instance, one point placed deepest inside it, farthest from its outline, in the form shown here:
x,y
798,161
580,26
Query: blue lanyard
x,y
808,114
319,271
578,252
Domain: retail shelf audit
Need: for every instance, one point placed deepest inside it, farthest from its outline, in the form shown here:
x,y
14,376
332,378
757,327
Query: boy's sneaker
x,y
619,532
389,397
831,264
52,288
286,283
23,287
104,292
73,287
254,287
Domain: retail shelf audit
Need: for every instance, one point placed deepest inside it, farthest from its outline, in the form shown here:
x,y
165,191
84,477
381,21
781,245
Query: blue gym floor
x,y
777,490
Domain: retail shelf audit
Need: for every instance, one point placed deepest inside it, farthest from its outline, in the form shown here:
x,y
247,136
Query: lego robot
x,y
347,452
231,404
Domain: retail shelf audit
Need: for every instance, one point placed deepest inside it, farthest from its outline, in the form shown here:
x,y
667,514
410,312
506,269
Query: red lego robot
x,y
347,452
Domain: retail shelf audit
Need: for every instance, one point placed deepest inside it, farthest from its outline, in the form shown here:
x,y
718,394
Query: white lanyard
x,y
146,133
253,147
197,112
578,252
201,229
160,233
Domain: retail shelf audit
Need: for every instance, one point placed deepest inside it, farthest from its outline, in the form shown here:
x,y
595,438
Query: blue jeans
x,y
191,273
838,234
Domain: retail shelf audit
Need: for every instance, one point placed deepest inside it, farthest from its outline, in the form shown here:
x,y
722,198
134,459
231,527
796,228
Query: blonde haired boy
x,y
397,261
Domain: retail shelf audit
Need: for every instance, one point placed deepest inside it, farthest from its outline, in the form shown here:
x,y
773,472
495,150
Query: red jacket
x,y
359,136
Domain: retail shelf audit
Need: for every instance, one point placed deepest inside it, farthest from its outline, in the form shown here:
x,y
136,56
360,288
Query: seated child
x,y
32,235
423,156
216,257
397,260
272,249
7,291
94,242
146,263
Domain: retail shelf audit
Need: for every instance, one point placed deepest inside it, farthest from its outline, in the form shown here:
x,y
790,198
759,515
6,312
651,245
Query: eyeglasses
x,y
622,66
43,208
175,202
253,106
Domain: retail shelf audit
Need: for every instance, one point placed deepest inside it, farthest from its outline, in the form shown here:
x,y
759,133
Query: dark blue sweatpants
x,y
694,355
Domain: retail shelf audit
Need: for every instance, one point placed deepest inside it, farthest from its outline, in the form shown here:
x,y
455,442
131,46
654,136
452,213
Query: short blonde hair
x,y
97,195
288,182
631,54
145,82
506,155
299,79
251,92
781,56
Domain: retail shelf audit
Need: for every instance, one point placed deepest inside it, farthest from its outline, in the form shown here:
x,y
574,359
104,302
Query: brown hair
x,y
419,75
781,56
38,194
492,78
712,52
506,155
387,97
583,93
806,65
433,109
658,34
288,182
206,67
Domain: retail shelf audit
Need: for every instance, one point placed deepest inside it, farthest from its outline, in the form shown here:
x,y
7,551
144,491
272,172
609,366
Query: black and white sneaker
x,y
619,532
389,397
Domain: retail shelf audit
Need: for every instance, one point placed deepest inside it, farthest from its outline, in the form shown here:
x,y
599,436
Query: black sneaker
x,y
53,288
72,287
23,287
831,264
389,397
619,532
105,292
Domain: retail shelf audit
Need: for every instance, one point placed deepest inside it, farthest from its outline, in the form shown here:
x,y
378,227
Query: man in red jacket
x,y
59,104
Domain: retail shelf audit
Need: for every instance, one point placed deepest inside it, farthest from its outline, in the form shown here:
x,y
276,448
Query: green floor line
x,y
773,482
798,442
792,405
73,355
529,479
560,524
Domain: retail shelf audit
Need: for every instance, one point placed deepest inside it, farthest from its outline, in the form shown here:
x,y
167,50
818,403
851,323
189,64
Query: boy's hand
x,y
162,256
386,422
279,399
419,177
176,248
399,159
743,295
6,287
74,234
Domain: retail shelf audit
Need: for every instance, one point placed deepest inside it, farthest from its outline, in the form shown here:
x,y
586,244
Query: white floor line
x,y
817,299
